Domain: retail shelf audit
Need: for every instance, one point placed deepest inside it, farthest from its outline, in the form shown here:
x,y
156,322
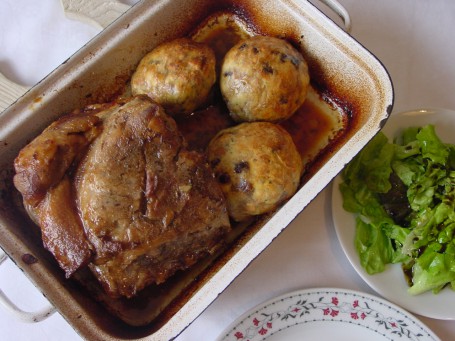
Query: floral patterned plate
x,y
327,314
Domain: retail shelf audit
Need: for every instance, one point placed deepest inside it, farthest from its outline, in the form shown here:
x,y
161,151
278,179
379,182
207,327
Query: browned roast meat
x,y
116,188
42,178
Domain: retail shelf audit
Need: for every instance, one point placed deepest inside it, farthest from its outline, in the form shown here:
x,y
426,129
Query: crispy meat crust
x,y
115,188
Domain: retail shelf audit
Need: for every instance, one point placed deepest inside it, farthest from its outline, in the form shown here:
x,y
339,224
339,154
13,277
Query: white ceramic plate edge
x,y
360,312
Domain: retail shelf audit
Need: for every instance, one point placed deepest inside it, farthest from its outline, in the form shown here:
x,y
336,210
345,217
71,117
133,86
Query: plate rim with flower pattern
x,y
301,308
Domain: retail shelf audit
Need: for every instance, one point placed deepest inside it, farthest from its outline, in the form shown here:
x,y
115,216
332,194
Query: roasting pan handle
x,y
99,13
335,6
21,315
9,92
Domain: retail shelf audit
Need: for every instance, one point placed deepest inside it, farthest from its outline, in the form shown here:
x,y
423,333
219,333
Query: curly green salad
x,y
403,195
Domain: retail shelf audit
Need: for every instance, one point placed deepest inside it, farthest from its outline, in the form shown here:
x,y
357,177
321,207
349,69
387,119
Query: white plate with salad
x,y
391,282
327,314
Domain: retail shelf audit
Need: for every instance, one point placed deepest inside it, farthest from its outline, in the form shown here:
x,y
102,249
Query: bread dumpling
x,y
257,166
179,75
263,79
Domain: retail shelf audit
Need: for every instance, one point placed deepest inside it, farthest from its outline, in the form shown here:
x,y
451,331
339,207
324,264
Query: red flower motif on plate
x,y
238,335
335,300
262,331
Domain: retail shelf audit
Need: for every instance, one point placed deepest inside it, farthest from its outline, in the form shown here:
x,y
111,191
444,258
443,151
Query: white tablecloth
x,y
414,40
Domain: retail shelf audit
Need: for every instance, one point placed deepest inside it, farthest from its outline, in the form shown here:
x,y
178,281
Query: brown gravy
x,y
312,127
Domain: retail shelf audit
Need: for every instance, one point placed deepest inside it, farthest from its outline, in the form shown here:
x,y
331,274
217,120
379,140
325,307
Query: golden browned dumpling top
x,y
257,165
178,74
263,79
